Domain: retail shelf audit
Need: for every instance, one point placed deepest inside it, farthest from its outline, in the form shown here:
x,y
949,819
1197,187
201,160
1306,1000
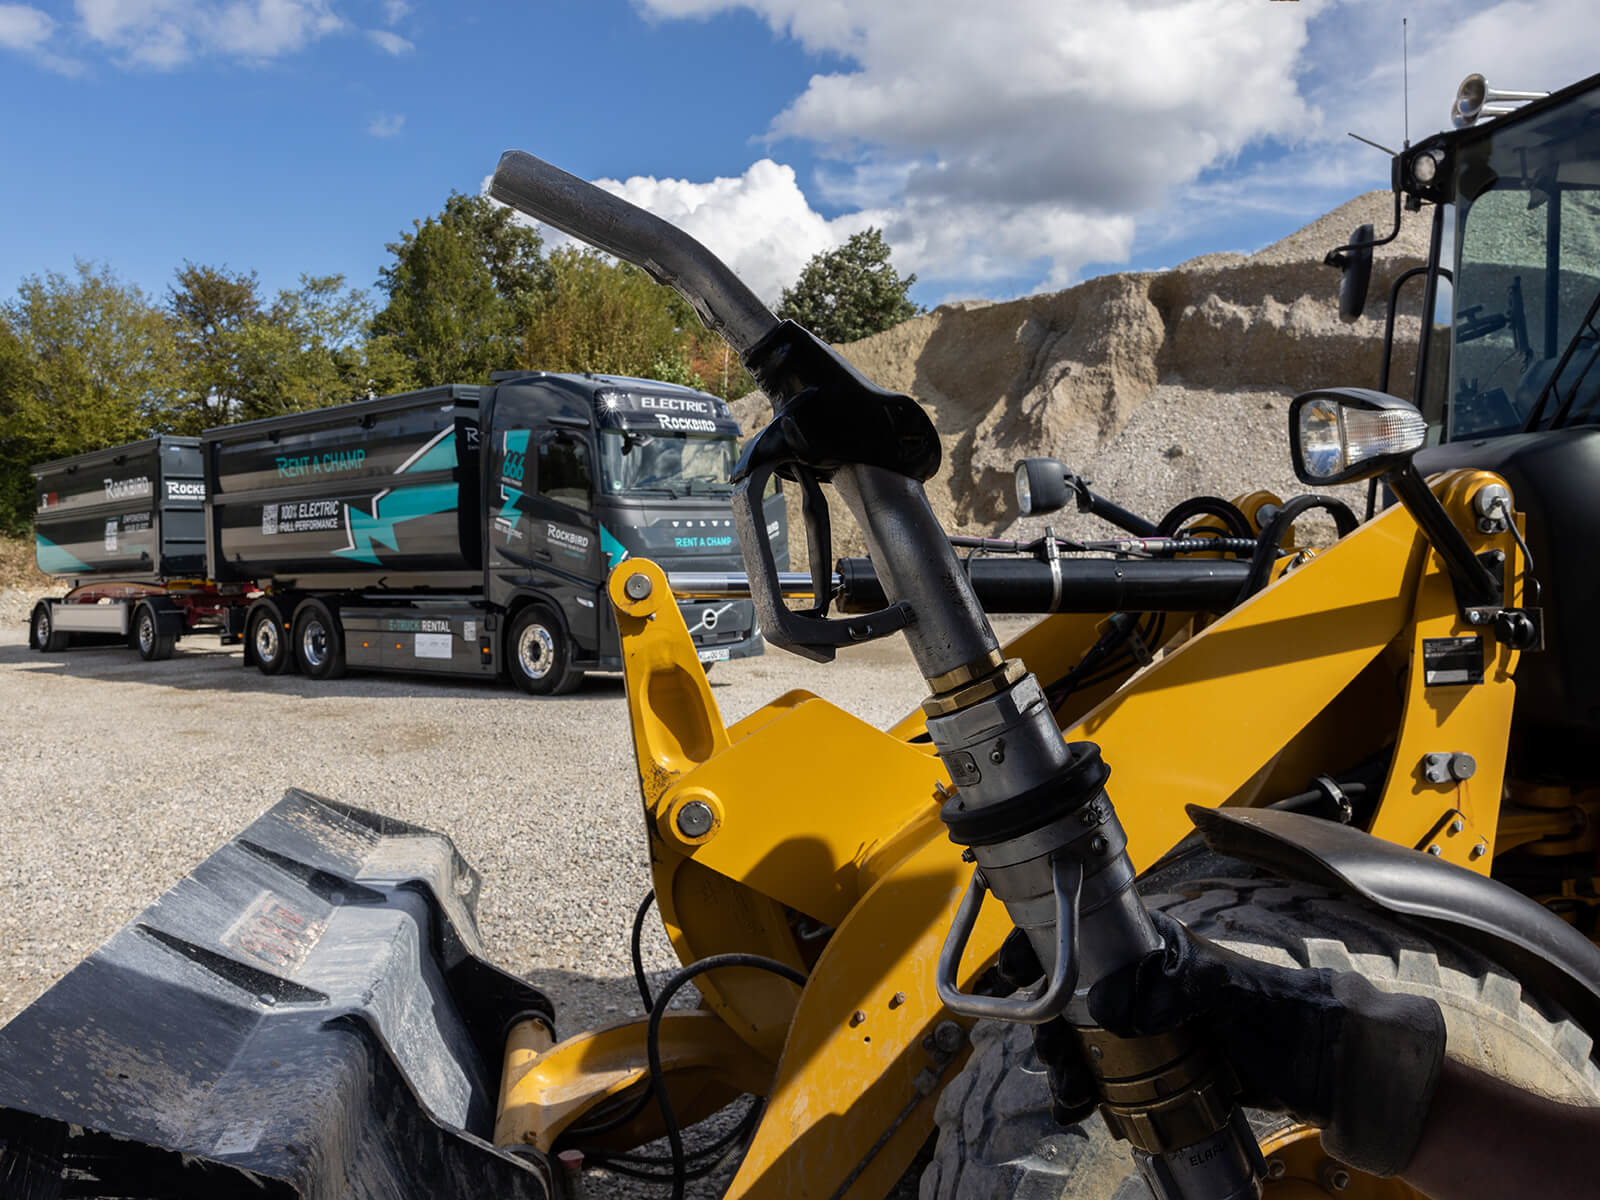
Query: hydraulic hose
x,y
1270,543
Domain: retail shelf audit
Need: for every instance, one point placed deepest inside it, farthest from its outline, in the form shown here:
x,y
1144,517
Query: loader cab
x,y
1515,269
1508,372
585,471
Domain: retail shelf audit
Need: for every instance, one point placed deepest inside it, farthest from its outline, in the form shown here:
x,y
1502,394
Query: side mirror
x,y
1339,435
1355,265
1041,486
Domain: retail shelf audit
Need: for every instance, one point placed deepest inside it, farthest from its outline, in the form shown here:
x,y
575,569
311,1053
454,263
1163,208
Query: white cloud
x,y
759,223
165,33
387,125
24,28
395,10
389,43
1020,136
1033,137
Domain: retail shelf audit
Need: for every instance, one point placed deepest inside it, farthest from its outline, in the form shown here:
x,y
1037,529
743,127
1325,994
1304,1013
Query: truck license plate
x,y
714,654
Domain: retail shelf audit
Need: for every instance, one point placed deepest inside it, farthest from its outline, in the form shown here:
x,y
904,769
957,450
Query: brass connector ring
x,y
966,673
1011,672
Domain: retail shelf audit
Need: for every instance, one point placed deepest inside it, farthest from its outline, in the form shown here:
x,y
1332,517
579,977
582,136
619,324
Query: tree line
x,y
88,360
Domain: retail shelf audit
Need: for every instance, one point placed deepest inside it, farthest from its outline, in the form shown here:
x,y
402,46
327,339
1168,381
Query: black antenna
x,y
1405,72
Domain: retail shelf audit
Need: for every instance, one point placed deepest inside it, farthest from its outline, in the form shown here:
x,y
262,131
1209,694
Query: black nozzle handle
x,y
575,206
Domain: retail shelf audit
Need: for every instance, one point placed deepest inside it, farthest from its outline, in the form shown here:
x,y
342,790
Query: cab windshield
x,y
1527,275
672,464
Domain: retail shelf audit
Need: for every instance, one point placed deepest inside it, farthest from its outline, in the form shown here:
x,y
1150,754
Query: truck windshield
x,y
1527,273
673,463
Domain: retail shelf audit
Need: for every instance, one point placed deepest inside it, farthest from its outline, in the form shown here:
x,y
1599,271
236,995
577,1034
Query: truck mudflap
x,y
305,1015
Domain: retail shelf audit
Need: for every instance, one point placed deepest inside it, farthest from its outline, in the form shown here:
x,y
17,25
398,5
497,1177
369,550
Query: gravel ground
x,y
122,775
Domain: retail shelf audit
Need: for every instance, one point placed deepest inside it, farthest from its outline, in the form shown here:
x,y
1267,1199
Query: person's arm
x,y
1486,1139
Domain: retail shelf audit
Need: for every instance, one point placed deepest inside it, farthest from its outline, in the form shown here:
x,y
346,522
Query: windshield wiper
x,y
711,487
1586,326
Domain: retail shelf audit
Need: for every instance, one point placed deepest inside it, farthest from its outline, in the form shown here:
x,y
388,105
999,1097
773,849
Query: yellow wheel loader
x,y
1377,757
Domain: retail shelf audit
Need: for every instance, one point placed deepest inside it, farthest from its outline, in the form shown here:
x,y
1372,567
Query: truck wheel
x,y
996,1135
148,639
268,639
318,641
43,635
538,654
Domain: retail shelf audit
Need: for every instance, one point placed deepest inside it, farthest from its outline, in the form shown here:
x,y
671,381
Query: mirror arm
x,y
1097,505
1336,257
1476,587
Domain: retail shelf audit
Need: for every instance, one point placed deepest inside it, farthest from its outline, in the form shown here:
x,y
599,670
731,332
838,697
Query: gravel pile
x,y
121,775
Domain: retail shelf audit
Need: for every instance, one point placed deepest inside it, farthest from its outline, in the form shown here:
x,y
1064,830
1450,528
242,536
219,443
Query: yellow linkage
x,y
819,821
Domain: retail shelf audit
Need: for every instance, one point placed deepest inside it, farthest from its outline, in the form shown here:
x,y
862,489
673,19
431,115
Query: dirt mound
x,y
1154,385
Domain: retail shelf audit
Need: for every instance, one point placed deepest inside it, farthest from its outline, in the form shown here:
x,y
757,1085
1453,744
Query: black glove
x,y
1326,1047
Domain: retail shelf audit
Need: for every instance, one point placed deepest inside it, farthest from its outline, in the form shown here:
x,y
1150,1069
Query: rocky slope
x,y
1154,385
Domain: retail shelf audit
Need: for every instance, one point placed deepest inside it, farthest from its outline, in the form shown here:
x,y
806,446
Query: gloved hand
x,y
1326,1047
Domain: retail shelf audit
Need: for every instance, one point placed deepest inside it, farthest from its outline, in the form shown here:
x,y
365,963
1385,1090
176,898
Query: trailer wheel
x,y
318,641
268,639
538,654
148,639
996,1135
43,635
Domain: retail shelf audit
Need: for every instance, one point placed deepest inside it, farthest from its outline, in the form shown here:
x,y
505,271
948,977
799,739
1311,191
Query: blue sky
x,y
1005,148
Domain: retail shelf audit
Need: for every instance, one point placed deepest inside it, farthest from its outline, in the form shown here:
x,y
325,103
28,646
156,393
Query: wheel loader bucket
x,y
305,1015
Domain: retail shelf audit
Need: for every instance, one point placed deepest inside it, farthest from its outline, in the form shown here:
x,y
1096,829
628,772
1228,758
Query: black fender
x,y
170,618
533,598
1519,934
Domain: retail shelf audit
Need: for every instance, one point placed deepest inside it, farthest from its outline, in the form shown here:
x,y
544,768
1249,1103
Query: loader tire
x,y
996,1137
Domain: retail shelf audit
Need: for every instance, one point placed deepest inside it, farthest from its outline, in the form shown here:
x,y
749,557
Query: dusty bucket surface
x,y
305,1014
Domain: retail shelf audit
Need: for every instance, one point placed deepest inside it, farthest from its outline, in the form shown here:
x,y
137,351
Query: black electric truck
x,y
468,530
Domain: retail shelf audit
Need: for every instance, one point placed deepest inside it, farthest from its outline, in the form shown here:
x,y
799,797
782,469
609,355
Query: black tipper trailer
x,y
125,527
469,529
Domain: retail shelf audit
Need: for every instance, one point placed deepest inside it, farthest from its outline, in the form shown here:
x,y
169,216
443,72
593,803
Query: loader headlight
x,y
1338,435
1041,486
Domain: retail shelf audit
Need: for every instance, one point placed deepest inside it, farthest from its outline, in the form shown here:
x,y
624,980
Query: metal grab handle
x,y
1067,876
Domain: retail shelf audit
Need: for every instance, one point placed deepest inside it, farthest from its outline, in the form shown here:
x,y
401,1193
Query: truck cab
x,y
584,471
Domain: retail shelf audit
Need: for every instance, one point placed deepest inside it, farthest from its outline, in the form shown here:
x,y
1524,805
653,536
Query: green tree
x,y
312,349
597,314
210,308
85,361
850,293
460,291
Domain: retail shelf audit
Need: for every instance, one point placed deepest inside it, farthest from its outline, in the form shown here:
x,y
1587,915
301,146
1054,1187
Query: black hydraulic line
x,y
1271,540
652,1042
1205,506
1027,585
706,1159
638,956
